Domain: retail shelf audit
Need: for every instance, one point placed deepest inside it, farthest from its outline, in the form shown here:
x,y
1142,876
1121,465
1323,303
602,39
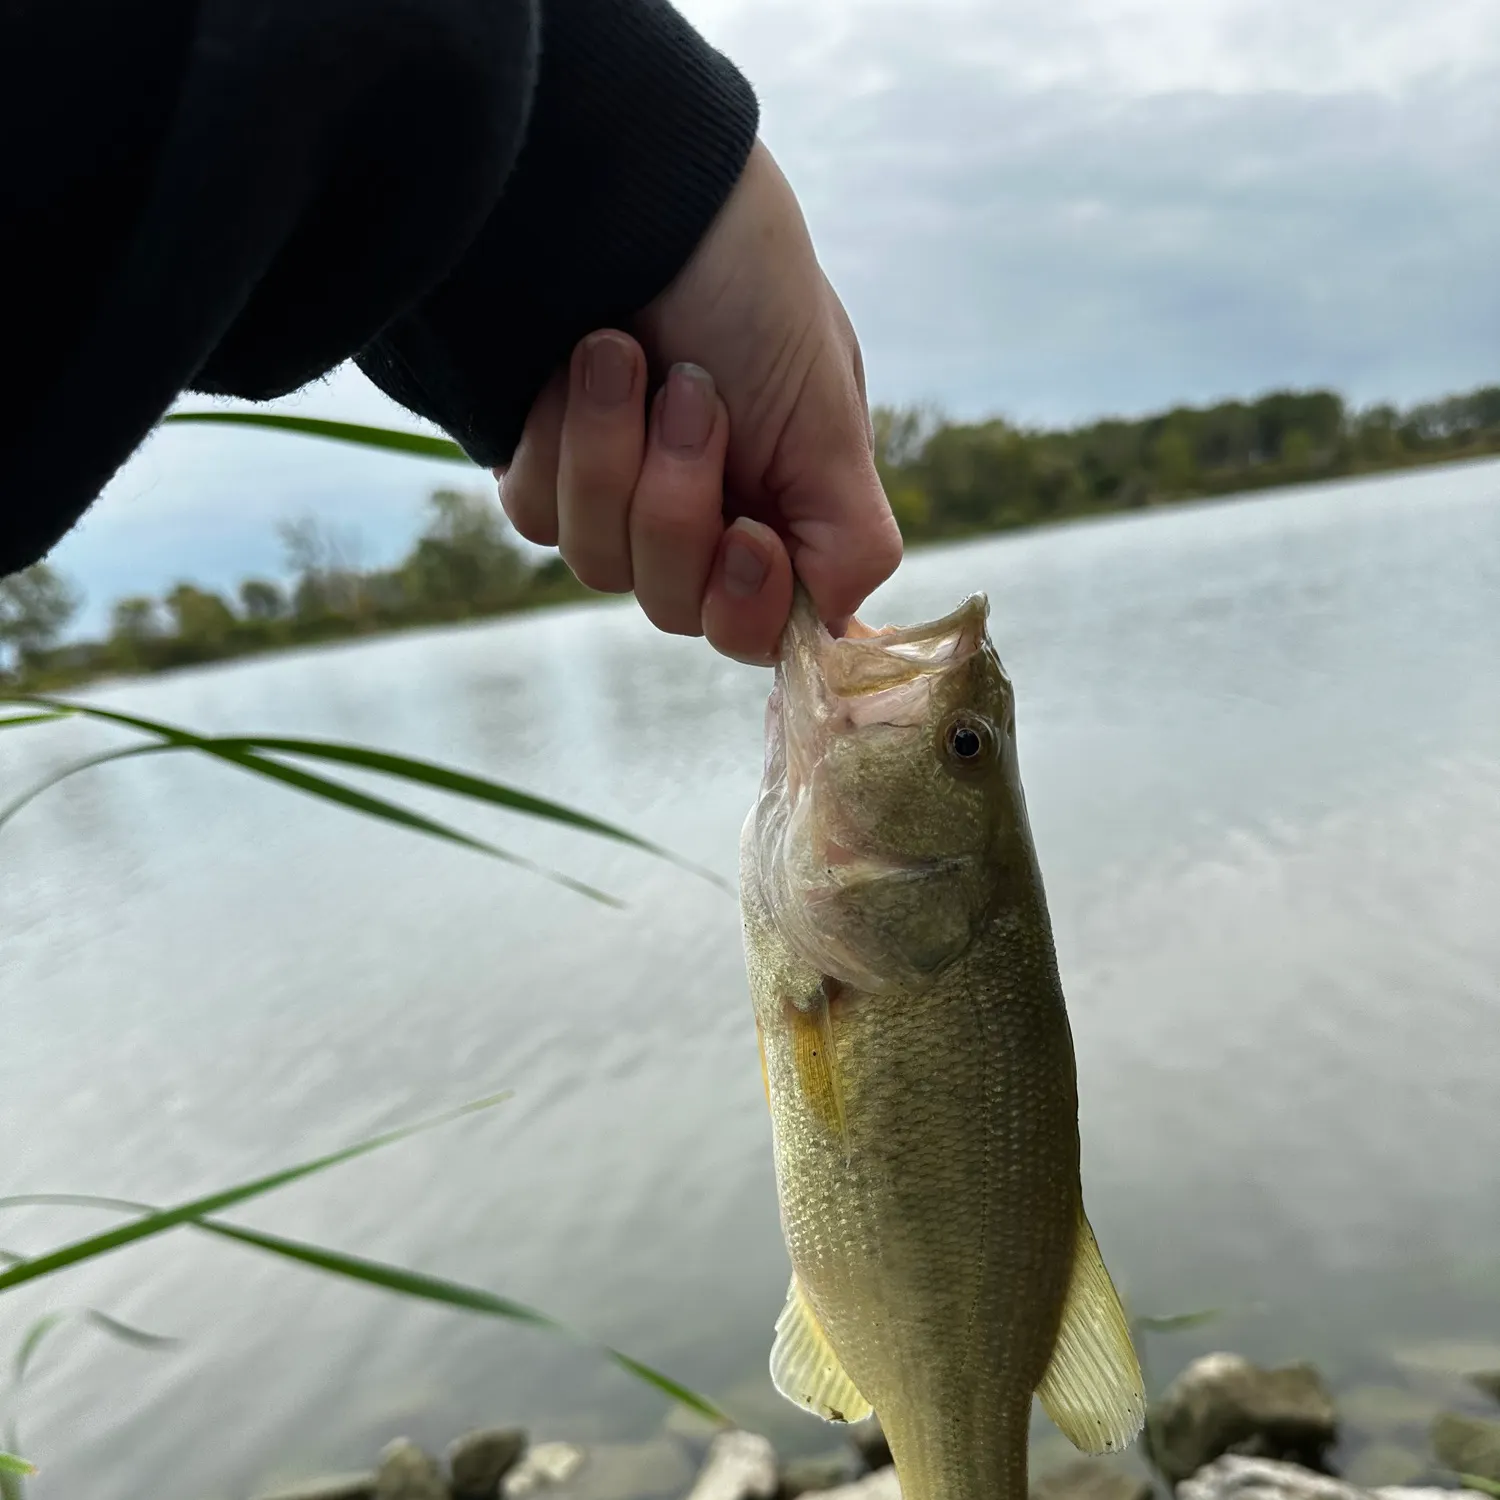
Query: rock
x,y
1088,1479
805,1476
1235,1477
407,1473
478,1461
1384,1464
335,1487
1433,1492
740,1466
881,1485
1224,1404
546,1466
869,1442
1487,1381
1469,1445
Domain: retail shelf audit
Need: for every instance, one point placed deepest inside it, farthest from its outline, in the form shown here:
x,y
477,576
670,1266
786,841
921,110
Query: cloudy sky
x,y
1049,209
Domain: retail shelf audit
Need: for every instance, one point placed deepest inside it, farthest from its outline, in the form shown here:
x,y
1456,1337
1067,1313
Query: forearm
x,y
235,197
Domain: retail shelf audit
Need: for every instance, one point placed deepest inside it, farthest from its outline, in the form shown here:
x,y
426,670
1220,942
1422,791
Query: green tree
x,y
135,630
465,561
325,563
203,621
1172,460
36,606
1297,448
261,600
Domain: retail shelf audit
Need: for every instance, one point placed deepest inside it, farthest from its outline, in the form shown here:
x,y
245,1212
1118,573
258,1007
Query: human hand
x,y
762,422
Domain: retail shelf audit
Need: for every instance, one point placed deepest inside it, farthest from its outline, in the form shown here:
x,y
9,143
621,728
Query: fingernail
x,y
608,369
745,564
687,413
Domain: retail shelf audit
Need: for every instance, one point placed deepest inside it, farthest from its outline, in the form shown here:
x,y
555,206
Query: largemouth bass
x,y
919,1066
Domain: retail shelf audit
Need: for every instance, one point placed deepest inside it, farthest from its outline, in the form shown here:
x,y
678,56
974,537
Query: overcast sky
x,y
1049,209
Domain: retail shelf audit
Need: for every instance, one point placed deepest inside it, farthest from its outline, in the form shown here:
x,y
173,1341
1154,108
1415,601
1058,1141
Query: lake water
x,y
1261,745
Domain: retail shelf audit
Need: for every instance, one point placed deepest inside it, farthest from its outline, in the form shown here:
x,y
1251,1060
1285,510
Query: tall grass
x,y
284,761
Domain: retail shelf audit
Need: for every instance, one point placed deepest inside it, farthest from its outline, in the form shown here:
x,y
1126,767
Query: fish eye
x,y
967,740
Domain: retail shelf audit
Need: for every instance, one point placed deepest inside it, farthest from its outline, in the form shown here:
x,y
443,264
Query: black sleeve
x,y
234,196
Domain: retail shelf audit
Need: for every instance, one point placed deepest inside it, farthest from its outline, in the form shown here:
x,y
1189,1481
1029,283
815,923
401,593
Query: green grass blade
x,y
422,772
15,720
393,439
1179,1322
48,782
462,784
390,812
318,786
34,1336
171,1218
125,1333
390,1278
669,1387
10,1464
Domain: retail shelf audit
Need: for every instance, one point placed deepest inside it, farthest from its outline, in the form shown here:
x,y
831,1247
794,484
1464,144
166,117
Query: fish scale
x,y
919,1068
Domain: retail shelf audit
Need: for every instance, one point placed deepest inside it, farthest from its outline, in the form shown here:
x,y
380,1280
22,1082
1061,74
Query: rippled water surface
x,y
1261,745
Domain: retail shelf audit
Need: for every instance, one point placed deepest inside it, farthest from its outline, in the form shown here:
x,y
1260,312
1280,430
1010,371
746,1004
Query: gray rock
x,y
1088,1479
546,1466
335,1487
740,1466
1224,1404
1469,1445
869,1442
881,1485
478,1461
806,1476
1426,1492
1235,1477
407,1473
1487,1381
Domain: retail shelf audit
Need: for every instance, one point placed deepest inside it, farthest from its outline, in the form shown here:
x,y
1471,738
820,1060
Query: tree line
x,y
949,479
944,479
465,564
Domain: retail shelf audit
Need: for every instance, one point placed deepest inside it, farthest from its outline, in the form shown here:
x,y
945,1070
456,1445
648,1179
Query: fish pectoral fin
x,y
806,1370
1093,1388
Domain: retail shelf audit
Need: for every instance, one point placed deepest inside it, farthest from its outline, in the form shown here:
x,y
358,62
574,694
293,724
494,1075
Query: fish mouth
x,y
827,684
866,660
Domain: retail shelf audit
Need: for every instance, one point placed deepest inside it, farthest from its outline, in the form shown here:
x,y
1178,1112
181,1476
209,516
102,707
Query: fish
x,y
918,1065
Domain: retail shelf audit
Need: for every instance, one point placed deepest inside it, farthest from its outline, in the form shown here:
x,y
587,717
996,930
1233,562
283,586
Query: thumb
x,y
842,537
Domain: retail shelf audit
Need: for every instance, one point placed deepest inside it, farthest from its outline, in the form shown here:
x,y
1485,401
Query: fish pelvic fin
x,y
804,1367
1093,1388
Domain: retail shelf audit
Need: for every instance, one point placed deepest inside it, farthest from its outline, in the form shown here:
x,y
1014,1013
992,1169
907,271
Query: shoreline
x,y
1222,1428
564,592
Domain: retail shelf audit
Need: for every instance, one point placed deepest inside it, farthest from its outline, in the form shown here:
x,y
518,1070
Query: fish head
x,y
890,806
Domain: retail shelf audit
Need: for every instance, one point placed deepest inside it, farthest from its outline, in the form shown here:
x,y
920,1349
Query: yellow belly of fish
x,y
927,1163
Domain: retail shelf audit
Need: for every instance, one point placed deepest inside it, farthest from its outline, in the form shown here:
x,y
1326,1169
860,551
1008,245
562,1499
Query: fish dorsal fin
x,y
806,1370
1093,1388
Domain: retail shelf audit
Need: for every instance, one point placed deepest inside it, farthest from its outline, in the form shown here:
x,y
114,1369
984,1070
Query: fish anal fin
x,y
1093,1388
804,1367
